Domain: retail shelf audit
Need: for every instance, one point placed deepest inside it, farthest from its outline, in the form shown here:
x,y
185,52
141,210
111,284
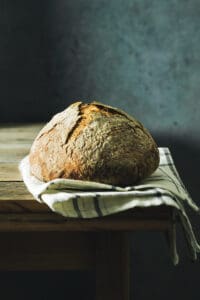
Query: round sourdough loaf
x,y
94,142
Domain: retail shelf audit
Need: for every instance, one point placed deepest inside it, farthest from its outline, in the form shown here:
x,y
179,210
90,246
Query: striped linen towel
x,y
84,199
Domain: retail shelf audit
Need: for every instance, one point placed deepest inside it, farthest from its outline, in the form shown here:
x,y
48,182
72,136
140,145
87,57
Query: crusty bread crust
x,y
94,142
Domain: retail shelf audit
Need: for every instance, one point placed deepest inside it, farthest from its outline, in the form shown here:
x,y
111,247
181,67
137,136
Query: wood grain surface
x,y
19,211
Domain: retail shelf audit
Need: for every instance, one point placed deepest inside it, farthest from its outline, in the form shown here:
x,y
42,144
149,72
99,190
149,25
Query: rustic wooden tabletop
x,y
35,238
18,208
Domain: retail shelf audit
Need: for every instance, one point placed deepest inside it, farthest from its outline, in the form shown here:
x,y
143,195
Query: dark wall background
x,y
142,56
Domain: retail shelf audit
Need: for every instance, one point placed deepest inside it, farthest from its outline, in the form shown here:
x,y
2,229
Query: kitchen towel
x,y
86,199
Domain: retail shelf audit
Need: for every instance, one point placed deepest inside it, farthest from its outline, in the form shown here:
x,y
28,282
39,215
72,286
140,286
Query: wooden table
x,y
34,238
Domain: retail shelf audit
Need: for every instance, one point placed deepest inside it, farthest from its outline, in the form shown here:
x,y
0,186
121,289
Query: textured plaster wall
x,y
139,55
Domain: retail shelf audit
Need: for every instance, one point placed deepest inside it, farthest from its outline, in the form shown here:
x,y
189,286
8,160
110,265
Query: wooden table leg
x,y
112,266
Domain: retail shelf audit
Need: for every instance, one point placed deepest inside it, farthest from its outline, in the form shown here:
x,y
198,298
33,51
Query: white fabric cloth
x,y
84,199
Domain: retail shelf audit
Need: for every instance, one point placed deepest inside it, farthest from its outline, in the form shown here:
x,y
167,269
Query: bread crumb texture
x,y
94,142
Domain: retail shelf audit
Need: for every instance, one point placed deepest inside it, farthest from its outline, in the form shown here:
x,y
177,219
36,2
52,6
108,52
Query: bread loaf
x,y
94,142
